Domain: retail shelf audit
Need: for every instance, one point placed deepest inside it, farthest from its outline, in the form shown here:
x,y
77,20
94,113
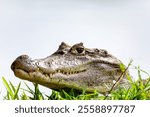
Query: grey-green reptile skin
x,y
72,67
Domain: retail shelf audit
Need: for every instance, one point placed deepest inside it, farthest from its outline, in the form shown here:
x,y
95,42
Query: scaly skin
x,y
74,67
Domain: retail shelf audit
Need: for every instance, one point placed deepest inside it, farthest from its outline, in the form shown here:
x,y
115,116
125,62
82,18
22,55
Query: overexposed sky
x,y
37,27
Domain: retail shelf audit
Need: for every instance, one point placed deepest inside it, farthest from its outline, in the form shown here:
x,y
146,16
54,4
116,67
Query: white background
x,y
37,27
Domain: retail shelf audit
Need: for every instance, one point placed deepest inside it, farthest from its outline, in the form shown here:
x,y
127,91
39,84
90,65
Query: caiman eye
x,y
77,49
80,50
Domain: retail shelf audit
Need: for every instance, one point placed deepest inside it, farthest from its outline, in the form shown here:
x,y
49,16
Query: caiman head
x,y
72,67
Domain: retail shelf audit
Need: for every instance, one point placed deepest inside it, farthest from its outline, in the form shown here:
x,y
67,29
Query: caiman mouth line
x,y
50,74
67,72
47,79
57,83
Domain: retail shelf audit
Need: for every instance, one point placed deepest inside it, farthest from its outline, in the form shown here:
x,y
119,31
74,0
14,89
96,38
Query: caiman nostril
x,y
23,62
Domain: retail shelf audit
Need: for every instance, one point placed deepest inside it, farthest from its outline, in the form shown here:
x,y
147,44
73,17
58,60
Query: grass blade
x,y
7,87
16,92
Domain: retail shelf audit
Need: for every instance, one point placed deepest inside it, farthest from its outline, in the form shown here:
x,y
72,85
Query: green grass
x,y
139,90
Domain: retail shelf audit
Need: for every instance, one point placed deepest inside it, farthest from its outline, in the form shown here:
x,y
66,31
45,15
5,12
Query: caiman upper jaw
x,y
25,63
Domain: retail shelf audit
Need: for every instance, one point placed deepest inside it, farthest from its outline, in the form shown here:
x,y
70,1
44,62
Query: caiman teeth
x,y
50,75
60,71
69,72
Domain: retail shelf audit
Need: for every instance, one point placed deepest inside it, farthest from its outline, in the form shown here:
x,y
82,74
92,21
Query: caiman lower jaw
x,y
46,80
38,76
24,74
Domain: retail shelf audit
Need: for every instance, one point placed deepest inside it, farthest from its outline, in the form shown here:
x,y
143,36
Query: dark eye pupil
x,y
80,50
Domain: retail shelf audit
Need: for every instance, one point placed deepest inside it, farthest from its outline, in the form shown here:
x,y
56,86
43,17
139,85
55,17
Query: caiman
x,y
73,67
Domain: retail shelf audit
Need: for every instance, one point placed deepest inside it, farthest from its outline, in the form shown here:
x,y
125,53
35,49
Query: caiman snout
x,y
23,62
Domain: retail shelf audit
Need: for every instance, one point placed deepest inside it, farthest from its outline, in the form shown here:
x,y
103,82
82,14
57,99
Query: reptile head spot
x,y
61,52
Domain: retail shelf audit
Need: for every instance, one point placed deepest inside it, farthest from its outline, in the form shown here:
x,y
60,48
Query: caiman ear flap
x,y
63,45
